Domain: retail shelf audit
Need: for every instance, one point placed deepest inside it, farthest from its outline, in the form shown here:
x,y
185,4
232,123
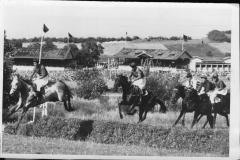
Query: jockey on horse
x,y
191,82
139,79
42,77
220,91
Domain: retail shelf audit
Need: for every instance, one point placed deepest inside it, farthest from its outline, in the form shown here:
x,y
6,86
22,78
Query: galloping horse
x,y
200,104
218,109
130,97
57,91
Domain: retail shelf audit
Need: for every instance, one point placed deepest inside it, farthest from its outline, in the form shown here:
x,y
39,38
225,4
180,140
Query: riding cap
x,y
215,75
189,75
204,76
133,64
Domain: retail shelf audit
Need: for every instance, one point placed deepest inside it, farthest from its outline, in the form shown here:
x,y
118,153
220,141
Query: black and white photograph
x,y
122,80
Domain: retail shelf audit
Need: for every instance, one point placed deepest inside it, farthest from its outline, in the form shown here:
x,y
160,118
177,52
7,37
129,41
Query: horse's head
x,y
178,91
191,96
15,85
120,81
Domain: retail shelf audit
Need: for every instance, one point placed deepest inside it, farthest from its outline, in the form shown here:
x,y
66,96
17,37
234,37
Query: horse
x,y
218,109
130,97
179,92
199,104
57,91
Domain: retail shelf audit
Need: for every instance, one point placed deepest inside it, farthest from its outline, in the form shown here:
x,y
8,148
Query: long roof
x,y
199,50
60,54
153,53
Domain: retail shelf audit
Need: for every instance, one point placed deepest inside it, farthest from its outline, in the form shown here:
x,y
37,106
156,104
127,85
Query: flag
x,y
185,38
69,35
126,33
45,29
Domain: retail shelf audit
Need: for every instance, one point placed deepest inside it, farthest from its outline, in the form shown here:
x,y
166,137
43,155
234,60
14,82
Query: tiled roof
x,y
60,54
199,50
154,53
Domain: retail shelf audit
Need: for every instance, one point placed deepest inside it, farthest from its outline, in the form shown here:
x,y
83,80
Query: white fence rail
x,y
27,68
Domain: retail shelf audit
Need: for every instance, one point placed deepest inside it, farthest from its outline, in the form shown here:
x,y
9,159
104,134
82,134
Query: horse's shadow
x,y
86,127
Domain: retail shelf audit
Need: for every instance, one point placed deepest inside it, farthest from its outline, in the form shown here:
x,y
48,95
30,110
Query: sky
x,y
25,19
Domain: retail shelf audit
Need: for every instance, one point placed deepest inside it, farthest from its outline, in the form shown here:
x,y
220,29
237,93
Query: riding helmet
x,y
204,76
215,75
189,75
133,64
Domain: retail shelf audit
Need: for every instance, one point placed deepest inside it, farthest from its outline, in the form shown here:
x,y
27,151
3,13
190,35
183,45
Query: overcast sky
x,y
113,19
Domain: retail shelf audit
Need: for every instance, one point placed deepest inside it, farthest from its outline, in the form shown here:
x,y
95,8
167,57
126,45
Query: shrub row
x,y
201,141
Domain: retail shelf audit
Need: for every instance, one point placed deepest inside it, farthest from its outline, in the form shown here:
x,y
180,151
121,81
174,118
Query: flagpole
x,y
40,51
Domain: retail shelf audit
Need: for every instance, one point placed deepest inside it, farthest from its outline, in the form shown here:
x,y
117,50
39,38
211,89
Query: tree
x,y
7,67
218,36
89,54
128,38
135,37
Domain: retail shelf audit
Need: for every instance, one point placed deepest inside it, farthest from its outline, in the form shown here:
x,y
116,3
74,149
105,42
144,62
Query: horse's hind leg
x,y
210,120
120,109
141,110
226,115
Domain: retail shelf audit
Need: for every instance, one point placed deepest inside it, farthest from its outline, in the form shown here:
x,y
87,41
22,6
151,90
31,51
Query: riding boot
x,y
225,109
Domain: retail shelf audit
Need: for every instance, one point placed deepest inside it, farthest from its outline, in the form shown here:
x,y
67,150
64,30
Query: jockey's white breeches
x,y
41,82
140,83
213,95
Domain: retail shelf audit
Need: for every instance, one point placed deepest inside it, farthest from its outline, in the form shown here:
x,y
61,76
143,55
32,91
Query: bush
x,y
162,84
200,141
91,83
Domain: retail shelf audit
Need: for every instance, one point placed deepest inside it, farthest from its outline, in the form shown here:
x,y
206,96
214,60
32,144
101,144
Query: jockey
x,y
139,79
220,90
191,82
205,86
42,76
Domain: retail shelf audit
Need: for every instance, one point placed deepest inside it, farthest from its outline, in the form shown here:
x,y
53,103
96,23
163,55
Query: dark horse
x,y
57,91
202,105
130,97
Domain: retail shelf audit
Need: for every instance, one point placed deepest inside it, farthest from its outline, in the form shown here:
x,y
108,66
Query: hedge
x,y
199,141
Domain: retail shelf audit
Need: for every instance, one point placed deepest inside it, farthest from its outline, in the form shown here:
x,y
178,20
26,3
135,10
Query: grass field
x,y
35,145
105,109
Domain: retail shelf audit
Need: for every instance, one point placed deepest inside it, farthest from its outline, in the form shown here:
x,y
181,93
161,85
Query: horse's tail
x,y
69,92
163,108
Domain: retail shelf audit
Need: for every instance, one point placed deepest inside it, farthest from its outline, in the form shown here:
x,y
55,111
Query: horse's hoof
x,y
203,127
121,117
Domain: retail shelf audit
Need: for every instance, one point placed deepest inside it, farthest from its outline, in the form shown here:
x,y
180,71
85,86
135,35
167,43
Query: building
x,y
50,58
206,57
159,57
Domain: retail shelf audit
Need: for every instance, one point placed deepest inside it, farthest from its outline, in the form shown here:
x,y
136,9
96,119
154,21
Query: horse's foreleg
x,y
196,114
131,109
199,118
20,119
179,117
183,119
13,110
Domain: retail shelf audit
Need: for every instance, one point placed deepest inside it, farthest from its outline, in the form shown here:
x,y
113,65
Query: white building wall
x,y
227,60
192,64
